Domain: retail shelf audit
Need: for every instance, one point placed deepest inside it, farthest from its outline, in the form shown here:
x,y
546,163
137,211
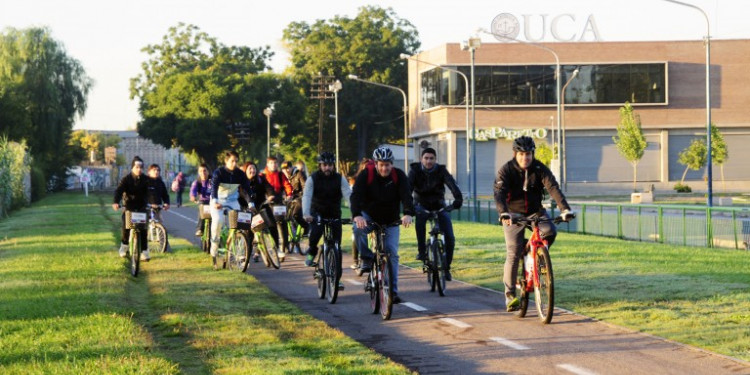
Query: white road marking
x,y
184,217
575,369
456,323
509,343
355,282
413,306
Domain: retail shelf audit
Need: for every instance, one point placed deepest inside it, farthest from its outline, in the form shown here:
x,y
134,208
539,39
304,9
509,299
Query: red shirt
x,y
278,180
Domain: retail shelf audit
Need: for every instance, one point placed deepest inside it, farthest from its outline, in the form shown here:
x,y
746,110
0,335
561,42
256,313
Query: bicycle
x,y
435,264
380,280
260,227
328,267
535,270
297,239
157,233
236,253
205,217
136,222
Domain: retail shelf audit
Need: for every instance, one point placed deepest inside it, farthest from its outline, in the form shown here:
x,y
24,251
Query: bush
x,y
680,188
38,184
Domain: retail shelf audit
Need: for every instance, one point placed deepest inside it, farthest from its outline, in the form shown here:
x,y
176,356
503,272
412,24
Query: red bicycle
x,y
535,271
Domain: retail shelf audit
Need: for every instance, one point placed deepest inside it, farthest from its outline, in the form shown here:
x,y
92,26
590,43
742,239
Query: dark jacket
x,y
383,198
133,191
226,180
326,196
428,186
510,195
261,189
297,181
157,191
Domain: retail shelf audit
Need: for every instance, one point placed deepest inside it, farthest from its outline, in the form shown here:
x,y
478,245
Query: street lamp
x,y
565,159
336,87
471,45
708,97
406,110
559,93
466,101
268,112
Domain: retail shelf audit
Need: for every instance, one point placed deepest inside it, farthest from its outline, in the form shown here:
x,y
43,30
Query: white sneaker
x,y
123,251
145,256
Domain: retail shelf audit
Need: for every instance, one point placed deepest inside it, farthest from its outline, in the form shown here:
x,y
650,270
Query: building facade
x,y
515,93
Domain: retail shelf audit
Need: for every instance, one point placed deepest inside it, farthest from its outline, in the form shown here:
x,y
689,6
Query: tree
x,y
369,46
630,141
693,157
719,151
543,153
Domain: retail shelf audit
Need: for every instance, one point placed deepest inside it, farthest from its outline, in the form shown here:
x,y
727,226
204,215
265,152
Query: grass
x,y
69,306
697,296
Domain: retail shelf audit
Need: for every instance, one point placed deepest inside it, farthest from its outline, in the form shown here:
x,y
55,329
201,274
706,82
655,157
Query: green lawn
x,y
69,306
696,296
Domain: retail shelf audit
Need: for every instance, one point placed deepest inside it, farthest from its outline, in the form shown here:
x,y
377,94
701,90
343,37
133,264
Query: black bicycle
x,y
328,266
435,265
380,281
298,240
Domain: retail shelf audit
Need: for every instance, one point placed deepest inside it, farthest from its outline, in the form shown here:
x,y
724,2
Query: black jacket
x,y
326,195
261,189
428,187
133,191
157,191
510,195
383,198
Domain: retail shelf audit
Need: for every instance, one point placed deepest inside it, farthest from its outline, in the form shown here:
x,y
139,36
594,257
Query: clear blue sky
x,y
106,36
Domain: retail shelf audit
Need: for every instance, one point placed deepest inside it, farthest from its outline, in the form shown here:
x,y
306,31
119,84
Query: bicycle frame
x,y
531,271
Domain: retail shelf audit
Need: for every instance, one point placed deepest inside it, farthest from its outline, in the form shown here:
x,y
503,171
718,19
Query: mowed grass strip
x,y
69,306
697,296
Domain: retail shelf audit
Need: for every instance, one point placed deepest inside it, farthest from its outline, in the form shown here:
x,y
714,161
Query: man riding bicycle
x,y
322,198
133,191
519,189
378,194
428,180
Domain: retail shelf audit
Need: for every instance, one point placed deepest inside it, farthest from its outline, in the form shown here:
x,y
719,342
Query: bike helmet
x,y
326,158
286,165
523,144
382,154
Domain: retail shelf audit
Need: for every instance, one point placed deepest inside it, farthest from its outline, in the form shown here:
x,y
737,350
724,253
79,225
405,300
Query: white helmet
x,y
382,154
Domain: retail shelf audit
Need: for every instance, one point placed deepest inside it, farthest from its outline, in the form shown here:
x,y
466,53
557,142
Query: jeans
x,y
390,245
446,226
515,243
316,232
179,197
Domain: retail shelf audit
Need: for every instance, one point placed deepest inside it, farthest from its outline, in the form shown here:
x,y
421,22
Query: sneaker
x,y
396,299
145,256
448,276
282,254
341,286
512,303
309,260
354,265
198,233
123,251
421,257
365,266
256,258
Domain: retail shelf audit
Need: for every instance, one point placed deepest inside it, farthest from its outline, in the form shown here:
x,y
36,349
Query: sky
x,y
107,36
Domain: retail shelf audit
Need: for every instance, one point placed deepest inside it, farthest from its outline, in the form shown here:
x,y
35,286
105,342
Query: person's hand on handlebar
x,y
217,205
568,215
360,222
308,218
406,220
115,206
165,206
506,219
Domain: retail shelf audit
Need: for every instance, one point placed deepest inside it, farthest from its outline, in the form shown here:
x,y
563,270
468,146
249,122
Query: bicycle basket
x,y
134,218
239,220
279,211
205,211
259,222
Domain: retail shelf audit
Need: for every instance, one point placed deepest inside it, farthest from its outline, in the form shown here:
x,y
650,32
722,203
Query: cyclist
x,y
379,193
133,191
282,192
228,184
519,190
200,193
157,190
428,180
297,178
260,188
322,198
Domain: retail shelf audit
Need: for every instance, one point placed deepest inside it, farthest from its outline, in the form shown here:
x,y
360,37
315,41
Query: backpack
x,y
175,185
371,174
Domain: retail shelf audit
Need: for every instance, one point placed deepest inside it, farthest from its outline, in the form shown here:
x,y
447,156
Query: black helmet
x,y
326,158
523,144
382,154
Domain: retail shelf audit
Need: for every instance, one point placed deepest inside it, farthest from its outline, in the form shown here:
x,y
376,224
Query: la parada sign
x,y
509,134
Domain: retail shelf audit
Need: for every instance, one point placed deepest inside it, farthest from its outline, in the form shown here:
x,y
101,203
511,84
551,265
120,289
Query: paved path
x,y
468,332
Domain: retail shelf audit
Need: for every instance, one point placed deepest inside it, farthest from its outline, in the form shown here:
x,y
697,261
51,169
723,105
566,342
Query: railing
x,y
725,227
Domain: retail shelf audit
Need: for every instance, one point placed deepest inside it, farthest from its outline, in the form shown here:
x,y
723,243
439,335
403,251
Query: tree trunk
x,y
635,175
723,184
682,180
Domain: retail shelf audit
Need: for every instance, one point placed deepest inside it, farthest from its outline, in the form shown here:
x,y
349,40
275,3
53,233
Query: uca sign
x,y
506,26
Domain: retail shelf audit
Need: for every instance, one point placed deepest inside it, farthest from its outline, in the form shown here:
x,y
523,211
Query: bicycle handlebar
x,y
535,220
435,212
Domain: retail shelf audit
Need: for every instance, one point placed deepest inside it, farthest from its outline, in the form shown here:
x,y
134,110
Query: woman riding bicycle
x,y
519,189
200,193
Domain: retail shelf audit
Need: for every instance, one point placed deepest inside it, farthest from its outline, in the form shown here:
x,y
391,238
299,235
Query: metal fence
x,y
703,226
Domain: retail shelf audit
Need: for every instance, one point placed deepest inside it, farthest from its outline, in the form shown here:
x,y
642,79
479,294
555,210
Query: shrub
x,y
38,184
680,188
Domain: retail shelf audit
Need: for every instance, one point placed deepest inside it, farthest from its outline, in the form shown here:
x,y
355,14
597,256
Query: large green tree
x,y
630,141
369,46
42,92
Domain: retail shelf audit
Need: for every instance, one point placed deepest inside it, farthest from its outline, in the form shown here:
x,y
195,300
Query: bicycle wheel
x,y
320,272
135,253
303,241
258,248
386,288
238,253
439,266
270,252
544,290
373,287
431,261
333,272
157,237
522,285
282,242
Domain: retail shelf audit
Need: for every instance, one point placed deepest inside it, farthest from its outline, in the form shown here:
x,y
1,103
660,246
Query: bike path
x,y
468,331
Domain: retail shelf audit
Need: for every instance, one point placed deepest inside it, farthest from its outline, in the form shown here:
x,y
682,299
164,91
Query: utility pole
x,y
321,90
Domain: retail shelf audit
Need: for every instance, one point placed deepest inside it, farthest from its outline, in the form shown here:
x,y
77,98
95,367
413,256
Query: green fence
x,y
672,224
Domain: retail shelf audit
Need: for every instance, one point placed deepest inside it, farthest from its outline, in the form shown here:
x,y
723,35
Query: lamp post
x,y
471,45
466,101
558,90
709,203
336,87
268,112
564,159
406,110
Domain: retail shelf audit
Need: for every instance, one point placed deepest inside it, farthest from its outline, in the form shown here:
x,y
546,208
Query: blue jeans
x,y
446,226
390,244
